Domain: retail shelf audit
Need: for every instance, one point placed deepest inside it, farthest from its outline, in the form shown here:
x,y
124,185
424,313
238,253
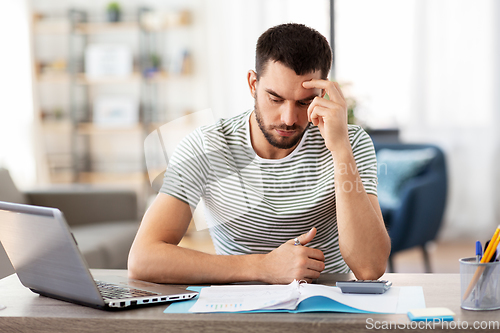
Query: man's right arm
x,y
155,256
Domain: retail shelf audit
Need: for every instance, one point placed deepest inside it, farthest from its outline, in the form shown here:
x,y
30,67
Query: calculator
x,y
364,286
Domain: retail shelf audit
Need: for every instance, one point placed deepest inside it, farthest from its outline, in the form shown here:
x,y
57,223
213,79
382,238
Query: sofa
x,y
104,221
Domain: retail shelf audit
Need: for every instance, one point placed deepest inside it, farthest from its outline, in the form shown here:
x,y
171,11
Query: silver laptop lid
x,y
44,253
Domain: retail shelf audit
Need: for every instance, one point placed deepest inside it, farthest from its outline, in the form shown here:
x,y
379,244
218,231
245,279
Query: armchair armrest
x,y
84,205
419,217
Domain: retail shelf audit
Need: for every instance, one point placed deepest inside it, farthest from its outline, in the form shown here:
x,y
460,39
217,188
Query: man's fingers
x,y
319,103
332,89
306,238
318,113
315,254
316,265
337,85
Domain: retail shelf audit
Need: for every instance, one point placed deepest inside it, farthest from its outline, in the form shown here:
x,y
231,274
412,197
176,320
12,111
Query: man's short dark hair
x,y
296,46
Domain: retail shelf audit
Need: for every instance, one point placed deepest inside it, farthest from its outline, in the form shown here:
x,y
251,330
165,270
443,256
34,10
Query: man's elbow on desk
x,y
143,265
370,273
135,271
371,269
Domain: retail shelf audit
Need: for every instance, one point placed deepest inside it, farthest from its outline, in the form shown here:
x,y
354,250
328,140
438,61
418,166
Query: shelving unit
x,y
77,149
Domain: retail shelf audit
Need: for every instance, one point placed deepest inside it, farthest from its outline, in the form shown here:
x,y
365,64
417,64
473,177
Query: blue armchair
x,y
414,218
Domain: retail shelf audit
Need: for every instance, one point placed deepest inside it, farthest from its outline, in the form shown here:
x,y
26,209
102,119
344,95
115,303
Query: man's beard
x,y
280,142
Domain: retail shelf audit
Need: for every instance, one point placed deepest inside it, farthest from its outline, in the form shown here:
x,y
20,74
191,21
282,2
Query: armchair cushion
x,y
396,168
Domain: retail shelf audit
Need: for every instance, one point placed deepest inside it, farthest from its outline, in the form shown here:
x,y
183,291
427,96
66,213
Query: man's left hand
x,y
329,115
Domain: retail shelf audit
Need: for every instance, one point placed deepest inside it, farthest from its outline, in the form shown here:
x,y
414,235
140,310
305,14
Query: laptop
x,y
47,260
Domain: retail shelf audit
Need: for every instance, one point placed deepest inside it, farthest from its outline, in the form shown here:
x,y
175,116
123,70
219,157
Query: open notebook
x,y
298,297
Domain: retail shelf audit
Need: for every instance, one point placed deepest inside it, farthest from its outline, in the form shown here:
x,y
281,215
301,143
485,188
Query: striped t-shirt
x,y
253,205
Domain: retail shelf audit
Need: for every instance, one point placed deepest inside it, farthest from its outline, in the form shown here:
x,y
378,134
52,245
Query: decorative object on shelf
x,y
153,65
152,20
54,114
187,63
104,60
116,110
155,61
114,12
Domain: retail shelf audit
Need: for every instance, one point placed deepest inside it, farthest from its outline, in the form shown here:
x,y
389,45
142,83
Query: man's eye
x,y
306,103
275,100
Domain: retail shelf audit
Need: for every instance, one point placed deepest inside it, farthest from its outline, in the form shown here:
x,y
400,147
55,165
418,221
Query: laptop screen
x,y
44,253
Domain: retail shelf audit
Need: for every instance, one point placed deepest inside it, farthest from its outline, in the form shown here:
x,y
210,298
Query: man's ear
x,y
252,82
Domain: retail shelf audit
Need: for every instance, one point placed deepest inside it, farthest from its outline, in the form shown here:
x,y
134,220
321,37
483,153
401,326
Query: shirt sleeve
x,y
187,169
366,161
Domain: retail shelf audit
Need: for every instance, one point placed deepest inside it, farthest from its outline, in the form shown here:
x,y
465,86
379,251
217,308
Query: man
x,y
266,177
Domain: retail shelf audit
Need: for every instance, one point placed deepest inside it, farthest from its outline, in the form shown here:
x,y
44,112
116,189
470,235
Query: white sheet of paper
x,y
247,298
383,303
272,297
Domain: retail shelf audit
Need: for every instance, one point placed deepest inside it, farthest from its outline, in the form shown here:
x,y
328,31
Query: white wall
x,y
232,30
431,69
17,147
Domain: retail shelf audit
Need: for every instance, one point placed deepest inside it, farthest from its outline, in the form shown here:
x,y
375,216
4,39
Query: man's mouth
x,y
285,133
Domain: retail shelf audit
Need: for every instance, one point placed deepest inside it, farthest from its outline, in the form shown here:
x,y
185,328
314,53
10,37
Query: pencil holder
x,y
480,288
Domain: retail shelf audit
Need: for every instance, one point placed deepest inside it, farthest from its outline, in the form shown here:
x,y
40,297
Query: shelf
x,y
61,77
108,177
90,28
91,128
51,27
165,77
114,153
105,27
83,79
56,125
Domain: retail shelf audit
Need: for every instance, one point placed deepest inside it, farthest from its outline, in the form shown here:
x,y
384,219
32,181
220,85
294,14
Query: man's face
x,y
281,104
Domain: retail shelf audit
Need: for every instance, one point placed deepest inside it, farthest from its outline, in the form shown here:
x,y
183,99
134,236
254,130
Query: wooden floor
x,y
444,256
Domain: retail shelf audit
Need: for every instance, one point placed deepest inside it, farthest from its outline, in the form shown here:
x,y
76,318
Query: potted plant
x,y
114,11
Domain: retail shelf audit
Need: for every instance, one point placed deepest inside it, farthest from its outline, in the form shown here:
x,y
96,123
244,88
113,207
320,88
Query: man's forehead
x,y
281,81
277,69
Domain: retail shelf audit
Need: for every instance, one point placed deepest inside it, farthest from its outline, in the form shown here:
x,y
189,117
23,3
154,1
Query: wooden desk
x,y
28,312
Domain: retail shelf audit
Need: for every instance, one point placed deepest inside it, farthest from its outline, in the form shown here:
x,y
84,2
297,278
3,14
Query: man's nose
x,y
289,114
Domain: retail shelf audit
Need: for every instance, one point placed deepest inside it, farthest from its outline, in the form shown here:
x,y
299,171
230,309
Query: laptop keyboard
x,y
113,291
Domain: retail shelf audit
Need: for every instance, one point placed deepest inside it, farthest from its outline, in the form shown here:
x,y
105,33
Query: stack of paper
x,y
297,298
247,298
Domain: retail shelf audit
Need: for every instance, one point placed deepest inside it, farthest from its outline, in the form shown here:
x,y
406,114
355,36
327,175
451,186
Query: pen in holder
x,y
485,294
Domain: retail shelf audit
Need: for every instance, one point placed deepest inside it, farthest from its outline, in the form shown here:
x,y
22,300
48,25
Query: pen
x,y
486,258
487,273
479,251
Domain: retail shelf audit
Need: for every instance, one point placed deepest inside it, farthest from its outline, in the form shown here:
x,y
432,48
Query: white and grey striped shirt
x,y
253,205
